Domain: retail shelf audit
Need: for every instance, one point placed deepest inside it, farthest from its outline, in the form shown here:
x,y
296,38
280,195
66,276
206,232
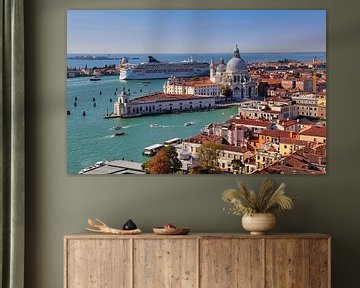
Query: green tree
x,y
237,165
296,74
226,91
208,156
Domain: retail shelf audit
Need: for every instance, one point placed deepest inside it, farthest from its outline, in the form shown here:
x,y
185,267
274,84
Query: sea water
x,y
91,138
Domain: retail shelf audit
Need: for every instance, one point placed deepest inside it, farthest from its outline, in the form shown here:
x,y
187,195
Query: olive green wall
x,y
58,204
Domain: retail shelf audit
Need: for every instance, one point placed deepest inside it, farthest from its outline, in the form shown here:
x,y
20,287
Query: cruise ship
x,y
154,69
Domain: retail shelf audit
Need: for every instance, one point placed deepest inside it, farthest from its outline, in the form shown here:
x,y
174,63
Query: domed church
x,y
235,75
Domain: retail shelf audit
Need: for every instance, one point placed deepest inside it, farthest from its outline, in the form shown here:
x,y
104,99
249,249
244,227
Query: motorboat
x,y
95,78
155,126
189,123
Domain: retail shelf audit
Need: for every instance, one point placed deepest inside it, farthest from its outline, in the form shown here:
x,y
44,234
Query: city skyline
x,y
167,31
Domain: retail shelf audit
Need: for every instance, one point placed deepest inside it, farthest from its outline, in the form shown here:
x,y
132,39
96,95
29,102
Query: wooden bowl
x,y
171,231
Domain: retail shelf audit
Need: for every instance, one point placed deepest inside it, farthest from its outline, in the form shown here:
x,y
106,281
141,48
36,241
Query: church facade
x,y
234,75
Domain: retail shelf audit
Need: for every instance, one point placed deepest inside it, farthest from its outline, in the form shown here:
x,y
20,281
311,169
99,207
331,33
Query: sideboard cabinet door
x,y
165,263
231,263
98,263
297,263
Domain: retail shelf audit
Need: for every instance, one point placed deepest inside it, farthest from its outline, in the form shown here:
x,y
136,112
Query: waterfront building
x,y
199,87
160,103
234,75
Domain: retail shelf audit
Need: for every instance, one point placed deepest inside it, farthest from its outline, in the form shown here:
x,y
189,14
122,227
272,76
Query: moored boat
x,y
95,78
189,123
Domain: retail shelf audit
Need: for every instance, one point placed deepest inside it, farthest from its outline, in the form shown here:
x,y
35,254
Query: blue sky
x,y
195,31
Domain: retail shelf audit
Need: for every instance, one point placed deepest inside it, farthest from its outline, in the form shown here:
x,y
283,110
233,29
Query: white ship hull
x,y
129,75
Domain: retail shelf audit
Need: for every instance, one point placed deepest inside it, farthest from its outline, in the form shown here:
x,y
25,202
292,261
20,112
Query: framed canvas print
x,y
196,92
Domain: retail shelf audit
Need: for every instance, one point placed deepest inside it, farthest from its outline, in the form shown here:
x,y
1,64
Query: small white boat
x,y
155,126
189,123
95,78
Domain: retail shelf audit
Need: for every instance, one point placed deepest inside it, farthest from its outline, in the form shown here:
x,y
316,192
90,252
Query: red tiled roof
x,y
277,133
293,141
234,148
162,97
276,99
202,81
287,123
315,131
201,139
287,170
320,149
297,163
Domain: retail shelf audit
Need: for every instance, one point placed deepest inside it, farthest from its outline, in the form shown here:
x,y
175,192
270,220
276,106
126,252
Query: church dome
x,y
236,64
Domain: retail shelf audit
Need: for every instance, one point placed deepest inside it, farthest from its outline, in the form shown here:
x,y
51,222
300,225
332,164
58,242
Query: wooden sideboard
x,y
197,260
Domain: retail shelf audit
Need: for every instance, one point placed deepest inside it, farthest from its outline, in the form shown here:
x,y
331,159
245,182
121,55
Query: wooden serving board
x,y
171,231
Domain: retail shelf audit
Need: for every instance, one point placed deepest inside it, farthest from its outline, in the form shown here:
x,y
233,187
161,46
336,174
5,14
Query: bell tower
x,y
121,106
314,88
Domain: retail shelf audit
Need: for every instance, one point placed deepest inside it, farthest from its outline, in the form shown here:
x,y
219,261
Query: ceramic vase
x,y
259,223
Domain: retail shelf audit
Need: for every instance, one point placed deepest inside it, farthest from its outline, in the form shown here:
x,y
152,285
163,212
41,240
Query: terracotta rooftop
x,y
297,163
287,123
315,131
276,99
234,148
201,81
201,139
278,133
293,141
163,97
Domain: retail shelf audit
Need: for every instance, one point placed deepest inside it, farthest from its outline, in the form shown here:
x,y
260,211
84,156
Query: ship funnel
x,y
153,60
